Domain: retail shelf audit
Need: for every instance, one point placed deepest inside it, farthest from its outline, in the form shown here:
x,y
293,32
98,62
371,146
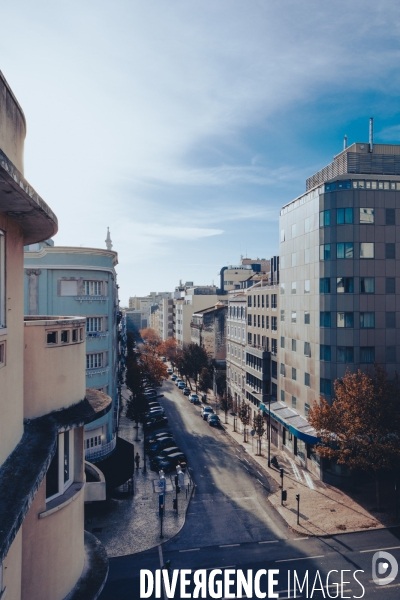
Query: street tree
x,y
220,382
226,404
195,358
205,380
150,337
258,426
244,415
169,348
361,429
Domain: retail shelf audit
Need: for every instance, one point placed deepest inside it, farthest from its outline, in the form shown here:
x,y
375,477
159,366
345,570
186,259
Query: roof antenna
x,y
371,134
345,142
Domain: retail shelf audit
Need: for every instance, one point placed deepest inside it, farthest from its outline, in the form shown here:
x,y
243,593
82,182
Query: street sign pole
x,y
298,508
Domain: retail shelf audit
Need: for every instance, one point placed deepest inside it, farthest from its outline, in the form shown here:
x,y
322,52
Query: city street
x,y
230,524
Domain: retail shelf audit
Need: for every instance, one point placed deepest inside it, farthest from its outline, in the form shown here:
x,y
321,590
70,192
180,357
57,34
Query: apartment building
x,y
208,330
232,276
191,300
44,404
236,338
166,318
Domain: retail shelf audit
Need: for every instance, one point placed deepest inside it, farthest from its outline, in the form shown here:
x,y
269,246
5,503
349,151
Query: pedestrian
x,y
137,460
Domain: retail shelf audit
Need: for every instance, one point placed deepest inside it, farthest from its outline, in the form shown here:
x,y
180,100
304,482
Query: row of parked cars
x,y
207,412
164,453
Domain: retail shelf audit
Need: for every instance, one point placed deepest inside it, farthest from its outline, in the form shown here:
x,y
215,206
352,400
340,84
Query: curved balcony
x,y
54,364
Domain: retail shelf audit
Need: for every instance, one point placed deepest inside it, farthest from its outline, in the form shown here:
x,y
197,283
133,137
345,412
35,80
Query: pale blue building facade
x,y
82,282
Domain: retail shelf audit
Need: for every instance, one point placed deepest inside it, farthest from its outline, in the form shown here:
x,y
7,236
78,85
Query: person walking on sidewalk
x,y
137,460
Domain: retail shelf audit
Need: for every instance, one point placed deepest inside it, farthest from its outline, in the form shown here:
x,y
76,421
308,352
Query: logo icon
x,y
385,564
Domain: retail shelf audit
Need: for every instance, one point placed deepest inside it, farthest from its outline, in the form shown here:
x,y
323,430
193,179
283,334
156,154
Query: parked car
x,y
173,377
163,359
214,420
155,422
154,405
186,391
151,395
163,455
149,390
178,381
153,412
169,371
205,411
160,445
194,399
152,438
169,464
181,385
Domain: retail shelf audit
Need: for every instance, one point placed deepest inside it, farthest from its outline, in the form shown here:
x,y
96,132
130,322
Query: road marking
x,y
190,550
299,539
262,483
247,469
300,558
295,470
160,554
270,542
379,549
309,481
229,545
260,474
246,460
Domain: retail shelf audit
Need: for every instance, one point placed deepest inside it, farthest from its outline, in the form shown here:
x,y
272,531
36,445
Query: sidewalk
x,y
324,509
127,524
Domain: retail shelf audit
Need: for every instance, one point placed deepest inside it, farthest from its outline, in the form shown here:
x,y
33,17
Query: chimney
x,y
345,142
371,134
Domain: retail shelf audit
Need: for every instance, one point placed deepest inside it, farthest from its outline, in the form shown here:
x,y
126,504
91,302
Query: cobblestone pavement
x,y
127,524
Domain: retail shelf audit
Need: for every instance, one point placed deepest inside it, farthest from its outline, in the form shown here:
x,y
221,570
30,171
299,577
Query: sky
x,y
185,126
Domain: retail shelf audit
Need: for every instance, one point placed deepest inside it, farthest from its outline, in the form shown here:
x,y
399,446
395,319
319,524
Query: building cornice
x,y
73,250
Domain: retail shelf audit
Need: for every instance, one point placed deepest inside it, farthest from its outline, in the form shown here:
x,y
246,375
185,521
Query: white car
x,y
194,399
169,371
205,411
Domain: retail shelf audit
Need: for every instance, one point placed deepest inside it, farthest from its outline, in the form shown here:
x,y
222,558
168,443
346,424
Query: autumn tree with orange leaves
x,y
361,429
150,337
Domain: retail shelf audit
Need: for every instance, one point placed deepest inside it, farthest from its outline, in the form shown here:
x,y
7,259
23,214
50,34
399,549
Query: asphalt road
x,y
231,525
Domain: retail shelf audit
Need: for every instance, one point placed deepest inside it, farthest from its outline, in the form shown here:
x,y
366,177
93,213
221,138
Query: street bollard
x,y
298,508
283,496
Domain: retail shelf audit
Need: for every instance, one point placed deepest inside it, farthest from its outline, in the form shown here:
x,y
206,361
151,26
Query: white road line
x,y
299,539
229,545
190,550
247,469
295,470
308,480
247,461
300,558
160,554
260,474
269,542
378,549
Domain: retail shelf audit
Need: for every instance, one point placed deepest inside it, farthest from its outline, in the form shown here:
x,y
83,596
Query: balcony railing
x,y
100,451
96,334
97,371
91,298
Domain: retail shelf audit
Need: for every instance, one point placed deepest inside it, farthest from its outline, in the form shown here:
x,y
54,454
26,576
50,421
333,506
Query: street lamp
x,y
269,427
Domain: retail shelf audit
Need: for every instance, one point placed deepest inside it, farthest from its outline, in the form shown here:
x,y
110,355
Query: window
x,y
345,354
390,320
325,386
367,320
267,322
344,285
254,320
390,354
274,369
294,402
325,252
324,218
59,475
325,353
258,321
282,315
367,354
307,349
307,287
92,288
367,215
74,335
274,323
294,230
282,395
262,301
367,285
294,287
390,250
294,343
65,337
306,318
2,359
307,256
258,301
282,342
2,280
249,320
282,235
324,285
345,319
294,316
283,370
307,378
255,301
282,289
294,259
68,288
390,216
52,337
324,319
267,301
249,301
306,409
273,300
294,374
367,250
249,338
344,216
262,321
95,361
274,346
390,285
344,250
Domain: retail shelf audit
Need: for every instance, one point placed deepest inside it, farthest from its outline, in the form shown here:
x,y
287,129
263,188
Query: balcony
x,y
91,298
102,451
97,334
97,371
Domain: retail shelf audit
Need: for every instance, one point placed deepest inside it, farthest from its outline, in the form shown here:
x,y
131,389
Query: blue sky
x,y
185,126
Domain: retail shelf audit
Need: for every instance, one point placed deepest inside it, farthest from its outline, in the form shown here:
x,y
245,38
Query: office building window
x,y
258,301
390,320
262,301
282,235
93,324
249,338
367,285
282,395
344,285
2,280
94,361
307,379
325,386
283,370
294,230
282,342
367,215
390,352
307,286
274,323
294,402
324,319
274,369
307,349
249,319
274,346
325,252
267,322
267,301
344,250
345,319
344,216
367,320
258,321
324,218
294,343
273,300
390,285
249,301
262,321
282,315
345,354
390,250
294,316
367,250
255,320
390,216
325,353
306,318
294,259
294,287
324,285
307,256
367,354
306,409
294,374
282,289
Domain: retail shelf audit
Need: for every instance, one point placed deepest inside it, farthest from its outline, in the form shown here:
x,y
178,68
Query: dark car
x,y
155,422
170,463
186,391
152,437
154,405
154,441
214,420
163,455
160,445
151,395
